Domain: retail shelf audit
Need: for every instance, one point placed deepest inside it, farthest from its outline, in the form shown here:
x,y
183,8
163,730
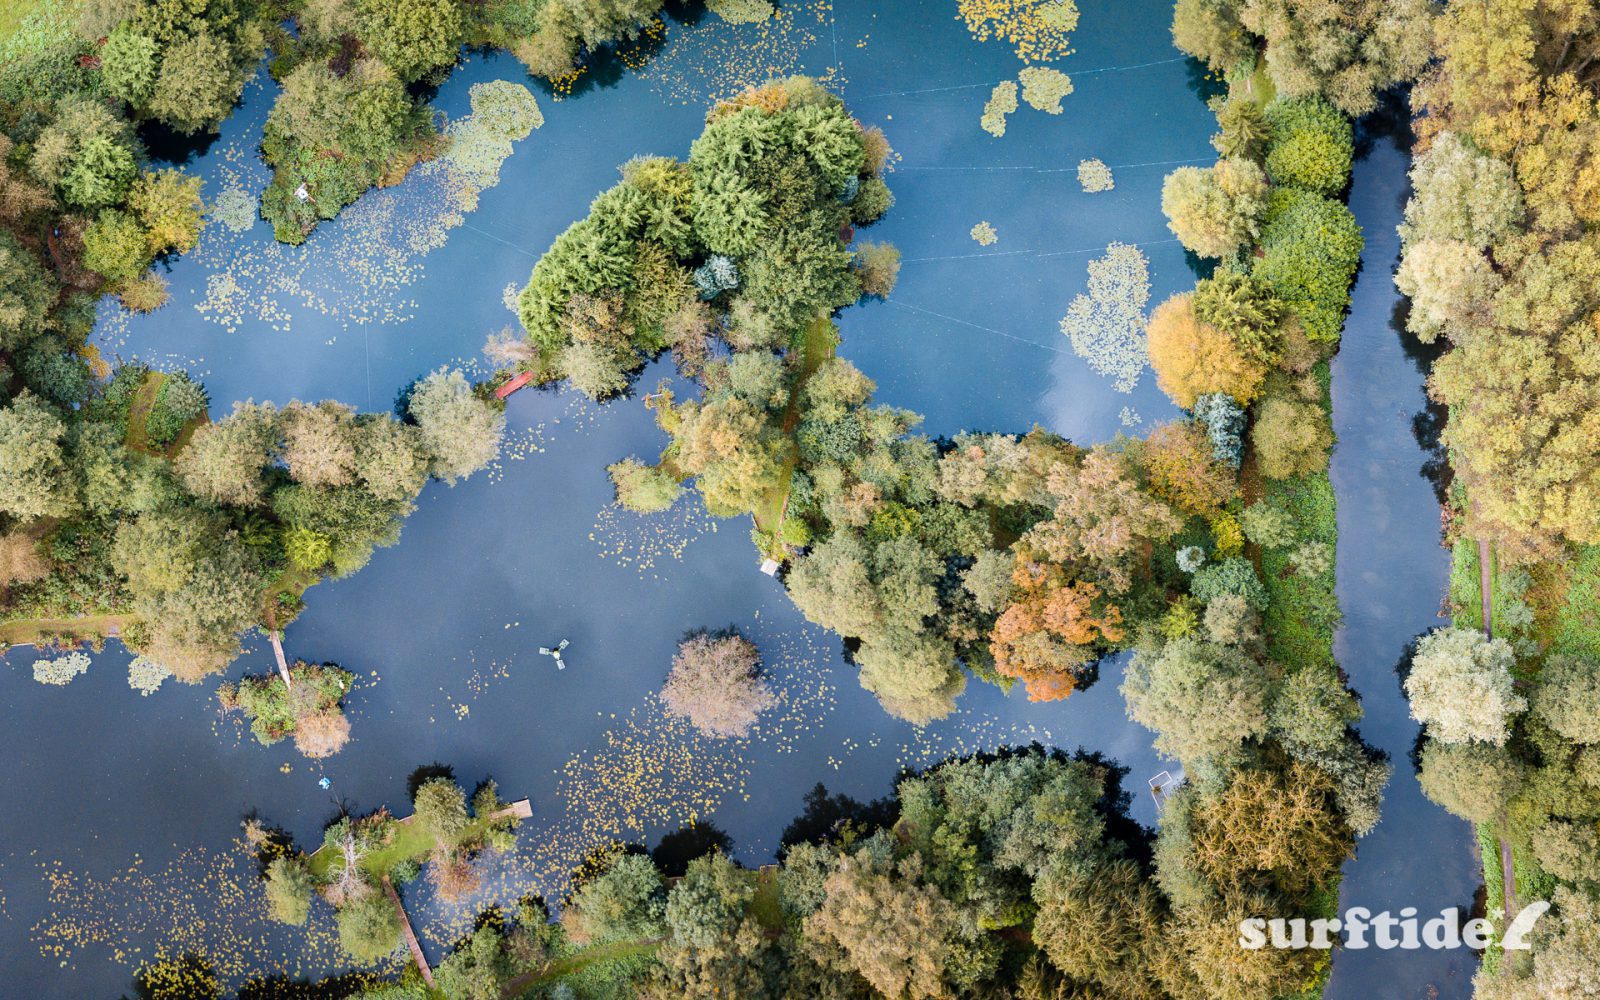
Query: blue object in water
x,y
324,782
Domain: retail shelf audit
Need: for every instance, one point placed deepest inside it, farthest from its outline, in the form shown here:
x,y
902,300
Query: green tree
x,y
289,886
1310,144
369,927
1210,31
226,462
1568,697
624,901
35,480
116,246
1203,700
26,294
414,37
460,432
645,489
198,83
128,63
441,809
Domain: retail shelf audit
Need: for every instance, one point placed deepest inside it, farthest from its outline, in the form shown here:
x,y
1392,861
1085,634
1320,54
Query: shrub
x,y
1313,559
1191,558
1310,144
1268,525
1223,420
115,245
1226,535
1230,576
178,401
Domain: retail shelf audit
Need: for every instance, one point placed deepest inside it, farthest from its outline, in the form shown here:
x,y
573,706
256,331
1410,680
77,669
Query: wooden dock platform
x,y
410,935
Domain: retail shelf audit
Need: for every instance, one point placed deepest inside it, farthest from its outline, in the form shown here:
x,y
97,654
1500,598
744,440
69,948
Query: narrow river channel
x,y
1392,576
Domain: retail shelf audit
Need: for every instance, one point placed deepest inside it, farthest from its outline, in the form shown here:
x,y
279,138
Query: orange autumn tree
x,y
1049,632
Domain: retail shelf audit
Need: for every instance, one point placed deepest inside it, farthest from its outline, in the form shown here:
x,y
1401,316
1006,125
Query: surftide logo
x,y
1360,928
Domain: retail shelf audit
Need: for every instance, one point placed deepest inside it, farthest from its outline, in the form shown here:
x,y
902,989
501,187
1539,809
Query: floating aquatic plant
x,y
1001,103
1095,176
146,675
984,234
1106,325
60,671
1043,88
1038,30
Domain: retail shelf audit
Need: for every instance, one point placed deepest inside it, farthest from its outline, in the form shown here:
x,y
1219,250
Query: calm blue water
x,y
1392,575
132,805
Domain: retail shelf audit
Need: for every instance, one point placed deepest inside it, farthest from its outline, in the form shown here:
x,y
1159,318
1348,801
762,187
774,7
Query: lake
x,y
120,816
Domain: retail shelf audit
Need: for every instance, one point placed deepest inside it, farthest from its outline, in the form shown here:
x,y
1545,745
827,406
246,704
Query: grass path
x,y
818,344
1485,595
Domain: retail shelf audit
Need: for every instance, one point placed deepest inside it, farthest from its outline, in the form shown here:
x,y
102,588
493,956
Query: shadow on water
x,y
676,849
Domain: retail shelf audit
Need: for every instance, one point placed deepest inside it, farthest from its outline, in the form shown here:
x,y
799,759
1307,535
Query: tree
x,y
879,267
895,931
912,673
87,154
715,684
168,205
1243,128
1290,437
26,294
128,63
1451,285
1210,31
1311,248
198,83
115,245
1046,636
1348,53
369,927
707,904
1244,307
1568,697
623,901
225,462
1215,211
1461,688
1183,470
289,888
645,489
391,460
1192,359
1525,413
319,443
735,452
1099,925
1460,194
441,809
34,479
479,969
413,37
1203,700
460,432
